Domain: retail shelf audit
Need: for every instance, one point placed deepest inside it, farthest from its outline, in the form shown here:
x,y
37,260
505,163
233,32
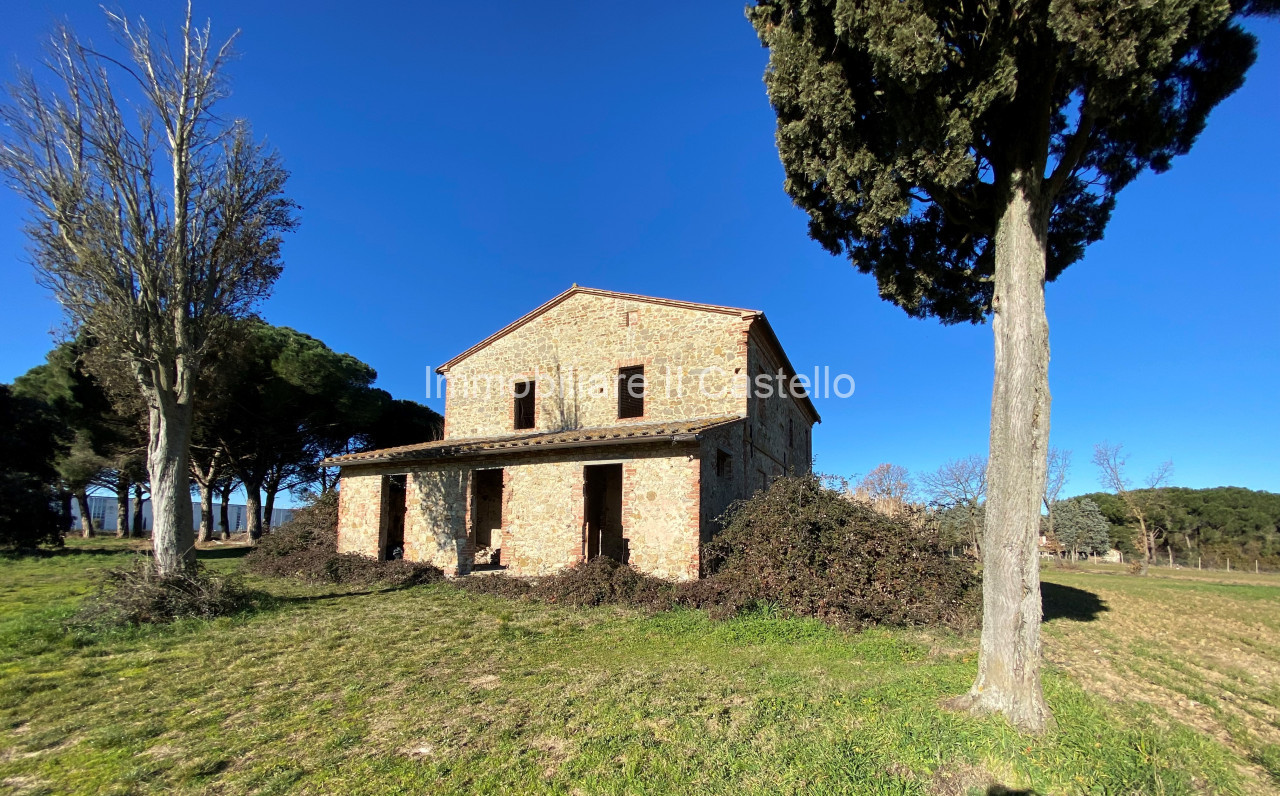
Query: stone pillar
x,y
435,522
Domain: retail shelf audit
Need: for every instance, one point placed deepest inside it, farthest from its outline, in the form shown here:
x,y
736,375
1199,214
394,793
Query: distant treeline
x,y
1211,524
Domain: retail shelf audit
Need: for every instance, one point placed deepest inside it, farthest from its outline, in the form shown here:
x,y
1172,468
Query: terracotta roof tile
x,y
476,446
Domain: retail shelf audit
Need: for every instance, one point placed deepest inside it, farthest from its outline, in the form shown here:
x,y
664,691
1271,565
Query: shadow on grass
x,y
1000,790
1068,602
311,598
58,552
222,553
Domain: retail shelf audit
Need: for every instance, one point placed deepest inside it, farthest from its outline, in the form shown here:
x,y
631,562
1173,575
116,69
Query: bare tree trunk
x,y
206,513
122,505
224,512
86,519
253,512
269,506
1146,546
205,479
1009,656
137,529
172,537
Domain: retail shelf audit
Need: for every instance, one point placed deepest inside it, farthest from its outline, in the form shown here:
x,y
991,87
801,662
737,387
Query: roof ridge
x,y
576,289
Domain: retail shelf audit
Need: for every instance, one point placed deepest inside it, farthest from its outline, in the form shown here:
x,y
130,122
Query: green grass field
x,y
1169,684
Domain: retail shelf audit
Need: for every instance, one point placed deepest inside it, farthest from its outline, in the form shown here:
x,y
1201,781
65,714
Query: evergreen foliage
x,y
1213,524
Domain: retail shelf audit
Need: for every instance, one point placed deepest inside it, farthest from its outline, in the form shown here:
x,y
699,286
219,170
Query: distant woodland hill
x,y
1213,524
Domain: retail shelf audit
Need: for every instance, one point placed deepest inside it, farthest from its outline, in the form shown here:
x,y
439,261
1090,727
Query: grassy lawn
x,y
432,689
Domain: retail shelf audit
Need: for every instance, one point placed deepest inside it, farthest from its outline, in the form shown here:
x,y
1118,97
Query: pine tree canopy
x,y
903,123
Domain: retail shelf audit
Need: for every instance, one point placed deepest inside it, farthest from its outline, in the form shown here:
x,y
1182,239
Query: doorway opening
x,y
486,515
393,503
602,513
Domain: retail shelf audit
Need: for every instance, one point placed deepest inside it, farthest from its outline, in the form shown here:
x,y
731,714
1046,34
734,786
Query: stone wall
x,y
721,489
360,514
435,529
573,352
543,510
779,434
660,510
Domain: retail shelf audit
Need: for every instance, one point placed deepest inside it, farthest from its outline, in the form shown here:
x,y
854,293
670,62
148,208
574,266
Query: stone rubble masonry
x,y
360,513
673,496
542,510
582,342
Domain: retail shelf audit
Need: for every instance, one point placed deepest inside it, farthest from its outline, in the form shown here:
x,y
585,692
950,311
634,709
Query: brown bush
x,y
799,546
138,595
600,581
306,549
813,552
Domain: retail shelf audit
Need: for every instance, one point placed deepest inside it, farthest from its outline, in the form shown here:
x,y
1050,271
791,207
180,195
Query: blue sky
x,y
458,164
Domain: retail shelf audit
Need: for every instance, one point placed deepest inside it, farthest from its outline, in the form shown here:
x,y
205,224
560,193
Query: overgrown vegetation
x,y
814,552
306,549
600,581
805,549
135,595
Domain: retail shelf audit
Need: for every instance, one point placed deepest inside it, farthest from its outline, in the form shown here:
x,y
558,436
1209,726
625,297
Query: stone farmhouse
x,y
600,423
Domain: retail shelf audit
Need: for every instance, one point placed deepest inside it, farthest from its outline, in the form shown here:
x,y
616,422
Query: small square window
x,y
633,318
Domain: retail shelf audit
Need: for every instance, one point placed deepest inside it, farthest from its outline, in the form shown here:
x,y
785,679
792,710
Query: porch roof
x,y
675,431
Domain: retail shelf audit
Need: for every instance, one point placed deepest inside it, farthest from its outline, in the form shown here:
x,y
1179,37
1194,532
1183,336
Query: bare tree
x,y
961,484
1111,462
1059,465
152,226
888,487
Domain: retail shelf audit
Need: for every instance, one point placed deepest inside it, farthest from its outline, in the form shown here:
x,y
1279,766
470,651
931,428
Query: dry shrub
x,y
813,552
306,549
600,581
801,547
139,595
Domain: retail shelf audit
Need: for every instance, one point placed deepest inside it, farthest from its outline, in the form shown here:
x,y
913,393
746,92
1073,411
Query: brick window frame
x,y
644,403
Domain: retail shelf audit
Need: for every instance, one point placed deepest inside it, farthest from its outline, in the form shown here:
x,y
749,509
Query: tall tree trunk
x,y
172,536
122,505
1009,655
269,506
206,512
253,512
137,529
224,511
1148,543
86,519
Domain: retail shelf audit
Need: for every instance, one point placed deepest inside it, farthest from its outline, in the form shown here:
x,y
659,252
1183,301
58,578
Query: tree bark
x,y
269,506
224,512
1008,679
253,512
137,529
86,519
172,537
122,505
206,513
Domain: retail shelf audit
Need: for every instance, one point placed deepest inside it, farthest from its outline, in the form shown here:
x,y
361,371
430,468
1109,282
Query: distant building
x,y
102,509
